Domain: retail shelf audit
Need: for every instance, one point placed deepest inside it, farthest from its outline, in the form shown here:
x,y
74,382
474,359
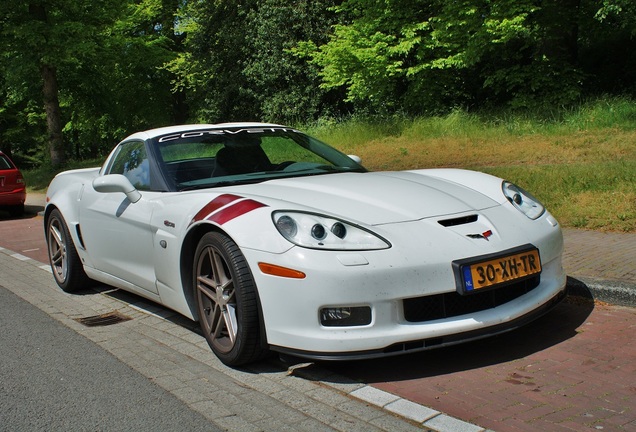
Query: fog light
x,y
345,316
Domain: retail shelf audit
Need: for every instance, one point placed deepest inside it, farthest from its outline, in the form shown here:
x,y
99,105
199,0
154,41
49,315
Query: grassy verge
x,y
580,163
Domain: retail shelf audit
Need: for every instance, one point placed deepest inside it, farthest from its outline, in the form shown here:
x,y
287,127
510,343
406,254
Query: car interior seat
x,y
231,160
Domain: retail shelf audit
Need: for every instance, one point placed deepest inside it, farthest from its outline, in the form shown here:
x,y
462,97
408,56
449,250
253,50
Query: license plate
x,y
493,270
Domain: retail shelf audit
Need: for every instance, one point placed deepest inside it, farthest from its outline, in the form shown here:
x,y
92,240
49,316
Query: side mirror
x,y
355,158
116,183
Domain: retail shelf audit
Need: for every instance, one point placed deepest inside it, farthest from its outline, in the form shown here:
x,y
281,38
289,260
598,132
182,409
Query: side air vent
x,y
459,221
79,235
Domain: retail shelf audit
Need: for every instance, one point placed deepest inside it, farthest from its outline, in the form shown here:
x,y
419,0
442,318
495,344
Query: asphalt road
x,y
53,379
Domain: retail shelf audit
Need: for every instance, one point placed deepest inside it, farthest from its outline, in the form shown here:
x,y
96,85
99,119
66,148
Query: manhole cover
x,y
103,319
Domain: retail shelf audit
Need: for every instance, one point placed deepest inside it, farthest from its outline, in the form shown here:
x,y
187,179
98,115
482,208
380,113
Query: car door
x,y
116,232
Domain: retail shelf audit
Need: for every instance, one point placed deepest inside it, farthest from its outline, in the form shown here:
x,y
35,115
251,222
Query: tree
x,y
369,51
284,85
25,28
42,37
210,67
124,86
97,65
424,56
607,47
239,63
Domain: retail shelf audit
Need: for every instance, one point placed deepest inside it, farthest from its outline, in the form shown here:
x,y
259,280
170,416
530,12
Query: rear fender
x,y
64,193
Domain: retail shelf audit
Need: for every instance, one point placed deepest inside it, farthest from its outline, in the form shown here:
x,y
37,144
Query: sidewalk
x,y
603,263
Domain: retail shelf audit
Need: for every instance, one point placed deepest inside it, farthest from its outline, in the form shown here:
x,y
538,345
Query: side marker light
x,y
285,272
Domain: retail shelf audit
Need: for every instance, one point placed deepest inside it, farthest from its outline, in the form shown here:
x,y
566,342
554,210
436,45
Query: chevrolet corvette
x,y
276,242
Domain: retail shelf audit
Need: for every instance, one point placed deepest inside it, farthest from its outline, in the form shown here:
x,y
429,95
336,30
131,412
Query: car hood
x,y
375,198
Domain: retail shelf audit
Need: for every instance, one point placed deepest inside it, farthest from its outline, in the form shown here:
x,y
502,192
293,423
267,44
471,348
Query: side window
x,y
132,161
4,163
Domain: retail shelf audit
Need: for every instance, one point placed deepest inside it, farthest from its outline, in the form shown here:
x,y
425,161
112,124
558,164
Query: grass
x,y
38,179
581,163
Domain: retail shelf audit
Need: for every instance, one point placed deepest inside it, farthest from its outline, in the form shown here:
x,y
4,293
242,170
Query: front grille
x,y
437,306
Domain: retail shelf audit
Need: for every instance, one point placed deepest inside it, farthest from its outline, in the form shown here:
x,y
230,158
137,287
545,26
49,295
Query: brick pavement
x,y
572,370
603,263
600,255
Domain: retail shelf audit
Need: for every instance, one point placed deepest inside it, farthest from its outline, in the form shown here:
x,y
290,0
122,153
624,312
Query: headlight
x,y
321,232
522,200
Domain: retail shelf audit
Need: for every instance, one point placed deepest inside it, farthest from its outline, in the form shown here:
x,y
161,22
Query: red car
x,y
12,187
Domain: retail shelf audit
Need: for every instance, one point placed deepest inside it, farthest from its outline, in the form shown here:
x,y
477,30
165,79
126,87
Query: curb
x,y
616,292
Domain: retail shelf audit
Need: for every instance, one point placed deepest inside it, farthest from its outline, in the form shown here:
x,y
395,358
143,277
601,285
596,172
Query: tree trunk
x,y
53,114
37,10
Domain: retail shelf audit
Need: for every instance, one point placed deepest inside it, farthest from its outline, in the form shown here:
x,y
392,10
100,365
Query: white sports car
x,y
275,241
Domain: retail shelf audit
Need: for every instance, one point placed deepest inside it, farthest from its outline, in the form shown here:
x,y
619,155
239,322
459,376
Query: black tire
x,y
65,263
226,300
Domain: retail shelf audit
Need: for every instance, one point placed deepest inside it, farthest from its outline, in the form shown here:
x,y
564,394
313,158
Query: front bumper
x,y
412,346
417,266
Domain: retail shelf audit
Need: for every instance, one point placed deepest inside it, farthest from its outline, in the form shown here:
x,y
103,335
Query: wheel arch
x,y
186,264
72,225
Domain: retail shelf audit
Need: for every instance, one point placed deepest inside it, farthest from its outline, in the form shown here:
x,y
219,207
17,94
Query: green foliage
x,y
210,67
106,55
621,13
284,85
368,52
117,66
433,56
239,62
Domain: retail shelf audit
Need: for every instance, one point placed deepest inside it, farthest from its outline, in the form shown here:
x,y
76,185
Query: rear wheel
x,y
65,263
226,300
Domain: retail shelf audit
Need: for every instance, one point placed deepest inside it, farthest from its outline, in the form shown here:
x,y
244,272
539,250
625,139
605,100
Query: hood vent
x,y
459,221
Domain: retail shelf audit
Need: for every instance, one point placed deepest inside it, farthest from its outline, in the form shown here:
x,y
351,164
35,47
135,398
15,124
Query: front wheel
x,y
227,300
65,263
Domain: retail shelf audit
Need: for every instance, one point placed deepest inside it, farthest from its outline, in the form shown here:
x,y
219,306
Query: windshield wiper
x,y
221,183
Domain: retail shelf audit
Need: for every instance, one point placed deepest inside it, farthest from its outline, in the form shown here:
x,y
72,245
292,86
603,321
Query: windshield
x,y
220,157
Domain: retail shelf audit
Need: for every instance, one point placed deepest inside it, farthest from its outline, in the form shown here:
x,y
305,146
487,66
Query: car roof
x,y
153,133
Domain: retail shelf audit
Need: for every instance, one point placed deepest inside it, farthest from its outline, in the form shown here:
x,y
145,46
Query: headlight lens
x,y
322,232
523,200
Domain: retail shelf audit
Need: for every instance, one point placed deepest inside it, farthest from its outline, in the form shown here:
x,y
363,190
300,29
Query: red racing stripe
x,y
214,205
234,211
